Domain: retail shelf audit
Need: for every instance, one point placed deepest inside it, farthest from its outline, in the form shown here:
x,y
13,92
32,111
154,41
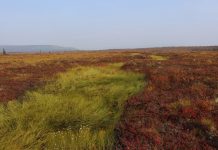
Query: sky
x,y
107,24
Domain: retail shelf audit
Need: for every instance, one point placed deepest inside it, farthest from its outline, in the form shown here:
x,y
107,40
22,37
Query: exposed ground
x,y
178,108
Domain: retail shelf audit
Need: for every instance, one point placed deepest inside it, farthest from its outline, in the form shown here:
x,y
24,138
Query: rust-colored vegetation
x,y
178,109
22,72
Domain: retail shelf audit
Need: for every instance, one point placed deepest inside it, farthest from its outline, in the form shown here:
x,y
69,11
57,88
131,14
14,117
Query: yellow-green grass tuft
x,y
158,57
79,110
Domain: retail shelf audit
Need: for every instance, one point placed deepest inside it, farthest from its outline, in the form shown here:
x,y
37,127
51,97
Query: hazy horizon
x,y
109,24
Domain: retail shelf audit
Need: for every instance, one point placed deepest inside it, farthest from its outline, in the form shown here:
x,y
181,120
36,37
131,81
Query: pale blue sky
x,y
103,24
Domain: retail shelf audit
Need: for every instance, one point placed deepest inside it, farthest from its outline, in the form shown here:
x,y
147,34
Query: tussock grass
x,y
77,111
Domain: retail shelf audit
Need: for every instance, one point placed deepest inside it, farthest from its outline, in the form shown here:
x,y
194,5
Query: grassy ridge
x,y
77,111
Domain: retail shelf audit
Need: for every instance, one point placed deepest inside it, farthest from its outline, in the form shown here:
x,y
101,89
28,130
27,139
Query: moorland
x,y
159,98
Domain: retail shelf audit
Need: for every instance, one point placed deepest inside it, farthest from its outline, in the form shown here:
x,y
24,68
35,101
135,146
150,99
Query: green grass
x,y
79,110
158,58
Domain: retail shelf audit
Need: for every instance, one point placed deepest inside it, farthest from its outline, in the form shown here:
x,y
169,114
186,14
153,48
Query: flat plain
x,y
115,99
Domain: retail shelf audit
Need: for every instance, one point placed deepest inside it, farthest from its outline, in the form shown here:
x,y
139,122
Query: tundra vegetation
x,y
79,110
109,104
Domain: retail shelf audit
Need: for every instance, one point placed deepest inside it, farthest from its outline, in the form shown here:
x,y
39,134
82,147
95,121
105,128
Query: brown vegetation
x,y
178,108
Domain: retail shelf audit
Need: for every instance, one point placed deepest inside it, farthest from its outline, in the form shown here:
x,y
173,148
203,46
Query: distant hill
x,y
35,48
173,49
